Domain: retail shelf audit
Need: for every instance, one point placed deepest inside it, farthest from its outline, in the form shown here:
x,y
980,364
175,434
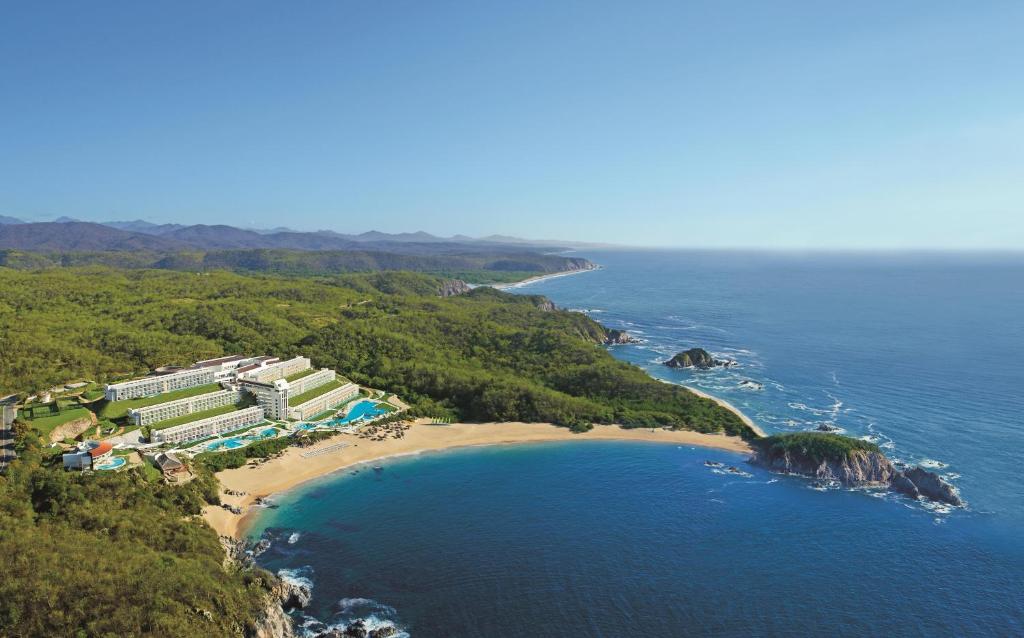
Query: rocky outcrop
x,y
933,486
615,337
697,358
274,623
851,467
543,303
72,429
453,287
859,468
292,594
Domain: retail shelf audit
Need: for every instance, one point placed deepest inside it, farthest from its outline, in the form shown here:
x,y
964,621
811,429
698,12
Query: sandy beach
x,y
728,406
533,280
297,465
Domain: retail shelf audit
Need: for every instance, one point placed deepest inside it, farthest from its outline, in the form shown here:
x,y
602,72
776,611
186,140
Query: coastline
x,y
292,469
532,280
730,407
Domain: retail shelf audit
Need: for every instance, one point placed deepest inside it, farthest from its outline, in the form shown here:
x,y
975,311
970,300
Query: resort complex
x,y
229,393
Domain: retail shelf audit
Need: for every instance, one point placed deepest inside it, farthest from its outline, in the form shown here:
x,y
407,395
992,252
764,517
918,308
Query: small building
x,y
169,464
86,455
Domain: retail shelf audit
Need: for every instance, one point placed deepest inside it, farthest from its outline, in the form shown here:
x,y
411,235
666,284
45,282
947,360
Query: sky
x,y
872,124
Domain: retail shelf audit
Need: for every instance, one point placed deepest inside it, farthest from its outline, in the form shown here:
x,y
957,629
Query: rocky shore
x,y
850,462
616,337
698,358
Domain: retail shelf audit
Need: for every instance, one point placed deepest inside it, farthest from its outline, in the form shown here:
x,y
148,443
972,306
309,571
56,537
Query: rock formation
x,y
615,337
453,287
851,462
73,428
293,594
697,358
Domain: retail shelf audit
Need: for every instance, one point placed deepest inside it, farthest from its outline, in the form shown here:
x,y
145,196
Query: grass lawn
x,y
195,416
315,392
150,473
117,409
299,375
46,424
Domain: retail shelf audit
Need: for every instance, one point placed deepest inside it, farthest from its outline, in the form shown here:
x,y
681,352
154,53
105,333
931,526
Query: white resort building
x,y
282,389
324,401
148,386
86,455
172,409
268,372
209,426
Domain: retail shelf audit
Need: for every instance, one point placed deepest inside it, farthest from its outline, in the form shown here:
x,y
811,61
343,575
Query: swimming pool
x,y
365,409
235,442
111,463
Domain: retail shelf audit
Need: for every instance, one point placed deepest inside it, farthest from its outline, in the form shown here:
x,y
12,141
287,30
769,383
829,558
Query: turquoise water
x,y
235,442
925,354
362,410
112,463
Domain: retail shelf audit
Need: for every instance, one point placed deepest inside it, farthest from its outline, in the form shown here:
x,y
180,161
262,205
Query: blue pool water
x,y
923,353
236,442
112,463
364,409
226,444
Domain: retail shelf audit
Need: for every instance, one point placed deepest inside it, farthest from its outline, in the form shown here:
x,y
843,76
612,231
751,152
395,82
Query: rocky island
x,y
698,358
851,462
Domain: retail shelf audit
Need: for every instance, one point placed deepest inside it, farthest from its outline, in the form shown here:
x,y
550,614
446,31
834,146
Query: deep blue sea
x,y
922,353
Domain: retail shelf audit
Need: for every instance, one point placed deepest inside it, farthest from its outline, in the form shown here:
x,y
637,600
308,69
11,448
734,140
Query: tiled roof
x,y
100,449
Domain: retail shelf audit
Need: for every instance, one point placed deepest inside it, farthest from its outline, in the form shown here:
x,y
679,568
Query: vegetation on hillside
x,y
112,554
477,266
482,356
815,446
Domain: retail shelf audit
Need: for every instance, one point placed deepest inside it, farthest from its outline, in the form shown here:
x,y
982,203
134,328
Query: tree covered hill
x,y
485,355
479,266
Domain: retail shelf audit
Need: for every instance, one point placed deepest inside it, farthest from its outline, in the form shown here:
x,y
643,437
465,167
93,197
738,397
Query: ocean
x,y
922,353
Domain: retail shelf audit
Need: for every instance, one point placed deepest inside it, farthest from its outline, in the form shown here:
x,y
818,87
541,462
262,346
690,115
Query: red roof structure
x,y
100,449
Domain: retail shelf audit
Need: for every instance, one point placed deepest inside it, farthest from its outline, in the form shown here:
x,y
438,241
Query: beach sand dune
x,y
296,465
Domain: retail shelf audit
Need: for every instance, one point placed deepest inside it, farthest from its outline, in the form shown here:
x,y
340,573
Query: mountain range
x,y
68,234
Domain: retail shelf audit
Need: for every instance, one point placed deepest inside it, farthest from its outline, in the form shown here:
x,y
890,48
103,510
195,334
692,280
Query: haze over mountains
x,y
66,234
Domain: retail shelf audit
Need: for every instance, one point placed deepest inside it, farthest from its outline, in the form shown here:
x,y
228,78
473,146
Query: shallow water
x,y
617,539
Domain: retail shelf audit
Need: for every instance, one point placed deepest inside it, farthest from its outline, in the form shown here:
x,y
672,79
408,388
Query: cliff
x,y
697,358
285,593
614,337
851,462
453,287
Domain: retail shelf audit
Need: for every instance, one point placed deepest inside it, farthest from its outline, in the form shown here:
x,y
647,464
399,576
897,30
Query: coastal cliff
x,y
615,337
284,594
851,462
698,358
453,287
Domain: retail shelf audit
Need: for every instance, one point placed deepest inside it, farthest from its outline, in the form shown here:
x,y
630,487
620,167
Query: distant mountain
x,y
68,234
140,226
80,236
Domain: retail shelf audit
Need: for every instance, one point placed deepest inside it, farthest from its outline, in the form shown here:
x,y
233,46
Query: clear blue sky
x,y
779,124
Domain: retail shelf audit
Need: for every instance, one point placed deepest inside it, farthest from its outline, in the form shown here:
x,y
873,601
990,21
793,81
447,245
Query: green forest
x,y
481,356
112,554
118,554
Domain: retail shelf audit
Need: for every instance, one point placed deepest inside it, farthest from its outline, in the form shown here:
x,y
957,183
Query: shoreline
x,y
730,407
532,280
292,469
